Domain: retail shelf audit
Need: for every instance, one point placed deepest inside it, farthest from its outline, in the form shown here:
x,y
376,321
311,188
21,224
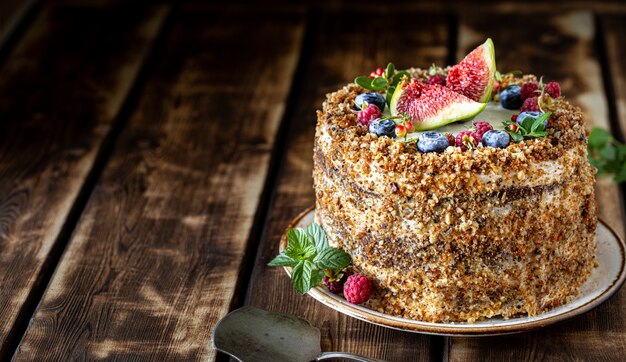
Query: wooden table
x,y
151,156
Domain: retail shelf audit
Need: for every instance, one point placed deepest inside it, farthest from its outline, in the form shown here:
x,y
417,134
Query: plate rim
x,y
445,329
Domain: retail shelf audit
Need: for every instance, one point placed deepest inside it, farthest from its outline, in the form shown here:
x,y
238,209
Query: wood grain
x,y
60,91
342,49
154,261
561,48
614,31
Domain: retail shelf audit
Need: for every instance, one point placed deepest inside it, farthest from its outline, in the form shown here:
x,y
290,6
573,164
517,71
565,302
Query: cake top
x,y
468,106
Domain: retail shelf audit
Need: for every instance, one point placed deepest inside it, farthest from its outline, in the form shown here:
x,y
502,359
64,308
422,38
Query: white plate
x,y
605,280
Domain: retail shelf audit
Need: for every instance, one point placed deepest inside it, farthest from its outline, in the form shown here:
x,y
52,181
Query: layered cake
x,y
461,193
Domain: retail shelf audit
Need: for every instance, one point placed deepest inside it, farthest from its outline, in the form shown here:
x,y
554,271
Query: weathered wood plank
x,y
343,48
154,261
60,90
559,47
615,40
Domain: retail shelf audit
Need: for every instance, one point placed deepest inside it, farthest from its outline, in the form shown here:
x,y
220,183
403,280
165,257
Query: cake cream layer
x,y
458,236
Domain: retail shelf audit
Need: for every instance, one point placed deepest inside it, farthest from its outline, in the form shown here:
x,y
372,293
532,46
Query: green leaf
x,y
379,83
538,124
527,124
332,258
297,238
309,252
317,234
283,260
498,76
297,277
390,70
398,77
316,278
364,82
516,137
303,276
538,134
599,137
608,153
389,94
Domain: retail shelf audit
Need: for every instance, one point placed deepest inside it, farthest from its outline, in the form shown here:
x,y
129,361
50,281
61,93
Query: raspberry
x,y
530,105
553,89
370,113
437,79
529,90
481,128
450,138
496,85
357,289
377,73
335,286
514,117
467,140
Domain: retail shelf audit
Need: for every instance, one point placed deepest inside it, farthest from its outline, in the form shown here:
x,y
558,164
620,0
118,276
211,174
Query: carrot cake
x,y
462,193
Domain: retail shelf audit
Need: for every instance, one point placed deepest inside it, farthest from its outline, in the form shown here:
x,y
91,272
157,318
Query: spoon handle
x,y
348,356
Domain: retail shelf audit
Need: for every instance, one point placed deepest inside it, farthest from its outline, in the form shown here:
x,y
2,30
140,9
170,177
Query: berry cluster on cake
x,y
460,192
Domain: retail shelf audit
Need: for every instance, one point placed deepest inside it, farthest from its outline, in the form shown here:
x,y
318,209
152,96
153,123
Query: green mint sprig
x,y
310,256
387,82
607,154
530,128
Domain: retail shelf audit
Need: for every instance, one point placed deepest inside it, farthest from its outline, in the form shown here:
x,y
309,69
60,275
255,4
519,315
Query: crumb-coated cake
x,y
497,220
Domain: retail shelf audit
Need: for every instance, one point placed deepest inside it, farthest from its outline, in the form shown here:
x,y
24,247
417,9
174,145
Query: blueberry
x,y
371,98
530,114
510,97
432,141
383,127
496,139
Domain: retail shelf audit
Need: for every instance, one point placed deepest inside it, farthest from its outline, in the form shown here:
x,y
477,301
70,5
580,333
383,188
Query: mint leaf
x,y
298,238
304,275
332,258
317,234
309,252
297,278
283,260
599,137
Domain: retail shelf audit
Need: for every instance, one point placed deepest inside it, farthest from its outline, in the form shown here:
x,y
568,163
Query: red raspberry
x,y
357,289
370,113
335,286
530,104
437,79
450,138
377,73
553,89
466,140
481,128
496,85
528,90
514,117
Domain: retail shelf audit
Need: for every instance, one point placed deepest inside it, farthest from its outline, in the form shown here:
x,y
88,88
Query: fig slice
x,y
431,106
473,76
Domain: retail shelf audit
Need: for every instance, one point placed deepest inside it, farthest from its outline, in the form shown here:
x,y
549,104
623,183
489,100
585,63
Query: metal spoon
x,y
252,334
